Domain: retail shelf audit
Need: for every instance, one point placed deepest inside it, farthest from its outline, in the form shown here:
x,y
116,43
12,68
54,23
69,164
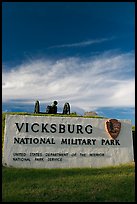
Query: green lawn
x,y
111,184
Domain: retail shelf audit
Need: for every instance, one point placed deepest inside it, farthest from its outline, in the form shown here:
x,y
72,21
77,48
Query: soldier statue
x,y
53,108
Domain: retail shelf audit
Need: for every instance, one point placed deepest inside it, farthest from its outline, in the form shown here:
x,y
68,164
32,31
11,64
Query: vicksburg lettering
x,y
54,128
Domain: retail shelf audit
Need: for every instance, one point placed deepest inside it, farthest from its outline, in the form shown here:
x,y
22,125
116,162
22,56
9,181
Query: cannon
x,y
52,109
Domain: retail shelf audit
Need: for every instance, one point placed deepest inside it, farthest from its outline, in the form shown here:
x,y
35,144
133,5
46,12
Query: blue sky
x,y
77,52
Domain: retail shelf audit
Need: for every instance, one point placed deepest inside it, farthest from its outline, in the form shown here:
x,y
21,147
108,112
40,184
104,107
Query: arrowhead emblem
x,y
113,127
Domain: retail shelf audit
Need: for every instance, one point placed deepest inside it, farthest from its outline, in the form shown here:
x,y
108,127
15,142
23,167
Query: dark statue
x,y
66,109
36,109
52,109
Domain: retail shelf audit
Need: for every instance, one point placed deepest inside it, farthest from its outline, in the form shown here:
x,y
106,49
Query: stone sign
x,y
65,142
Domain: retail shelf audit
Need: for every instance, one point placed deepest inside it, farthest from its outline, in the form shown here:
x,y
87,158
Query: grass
x,y
111,184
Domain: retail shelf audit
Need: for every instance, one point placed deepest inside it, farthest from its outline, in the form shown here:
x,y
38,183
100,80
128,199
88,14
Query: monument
x,y
66,142
53,108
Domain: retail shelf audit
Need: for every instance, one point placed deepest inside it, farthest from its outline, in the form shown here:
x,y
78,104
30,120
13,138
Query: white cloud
x,y
106,80
83,43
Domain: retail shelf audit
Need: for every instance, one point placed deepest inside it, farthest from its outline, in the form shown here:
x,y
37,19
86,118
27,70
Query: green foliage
x,y
111,184
133,128
95,116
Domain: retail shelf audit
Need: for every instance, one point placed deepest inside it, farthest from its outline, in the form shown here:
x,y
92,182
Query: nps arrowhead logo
x,y
113,127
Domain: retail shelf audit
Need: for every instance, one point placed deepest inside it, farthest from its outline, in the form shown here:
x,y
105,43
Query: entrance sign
x,y
66,142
